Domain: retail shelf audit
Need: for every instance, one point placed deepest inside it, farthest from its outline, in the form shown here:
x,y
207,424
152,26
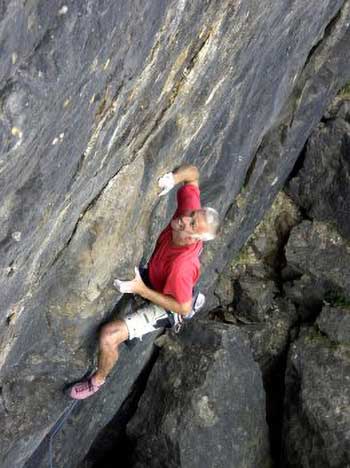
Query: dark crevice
x,y
274,385
327,32
280,261
325,119
299,164
314,51
293,396
9,318
3,403
79,167
6,91
60,253
274,374
112,446
275,388
250,170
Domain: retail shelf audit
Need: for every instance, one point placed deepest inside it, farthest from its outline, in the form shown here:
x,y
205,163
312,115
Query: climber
x,y
169,281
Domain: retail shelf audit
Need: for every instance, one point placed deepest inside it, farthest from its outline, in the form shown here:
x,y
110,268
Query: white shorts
x,y
147,319
151,317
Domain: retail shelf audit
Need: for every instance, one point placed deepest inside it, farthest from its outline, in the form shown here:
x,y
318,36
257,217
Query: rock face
x,y
322,186
317,416
204,404
256,298
97,100
335,323
318,250
257,292
307,293
318,253
317,398
257,304
88,418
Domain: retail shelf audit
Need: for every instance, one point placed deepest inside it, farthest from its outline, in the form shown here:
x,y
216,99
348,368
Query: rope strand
x,y
58,426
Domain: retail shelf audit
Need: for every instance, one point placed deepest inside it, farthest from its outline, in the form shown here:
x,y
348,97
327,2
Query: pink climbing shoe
x,y
84,389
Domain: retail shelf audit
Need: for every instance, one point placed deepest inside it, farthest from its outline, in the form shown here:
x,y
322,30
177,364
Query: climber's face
x,y
187,228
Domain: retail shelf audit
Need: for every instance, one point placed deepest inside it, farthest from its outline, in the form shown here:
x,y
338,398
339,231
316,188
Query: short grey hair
x,y
213,220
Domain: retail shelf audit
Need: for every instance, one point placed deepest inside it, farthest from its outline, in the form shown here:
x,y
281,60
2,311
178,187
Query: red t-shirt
x,y
174,270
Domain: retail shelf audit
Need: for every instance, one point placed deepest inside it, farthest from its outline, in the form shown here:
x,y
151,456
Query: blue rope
x,y
63,418
58,426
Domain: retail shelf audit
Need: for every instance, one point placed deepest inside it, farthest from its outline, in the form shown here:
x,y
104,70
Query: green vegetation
x,y
345,91
336,299
315,337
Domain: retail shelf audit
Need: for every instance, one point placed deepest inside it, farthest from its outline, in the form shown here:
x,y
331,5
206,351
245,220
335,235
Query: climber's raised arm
x,y
186,174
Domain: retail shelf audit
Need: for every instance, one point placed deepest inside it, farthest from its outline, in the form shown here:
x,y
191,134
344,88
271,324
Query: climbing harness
x,y
177,327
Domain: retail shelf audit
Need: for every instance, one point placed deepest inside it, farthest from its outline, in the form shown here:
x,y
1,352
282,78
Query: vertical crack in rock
x,y
5,119
82,214
312,56
250,170
326,33
104,112
261,260
298,164
5,91
176,89
274,384
46,38
3,403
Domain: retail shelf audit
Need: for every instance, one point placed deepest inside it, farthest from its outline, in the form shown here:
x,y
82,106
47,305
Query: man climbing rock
x,y
169,281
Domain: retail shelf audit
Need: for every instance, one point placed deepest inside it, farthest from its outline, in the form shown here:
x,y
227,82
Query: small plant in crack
x,y
345,90
336,299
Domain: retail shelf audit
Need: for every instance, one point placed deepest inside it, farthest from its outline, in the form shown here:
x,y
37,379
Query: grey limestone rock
x,y
254,298
318,250
335,323
322,185
88,418
97,100
317,404
269,340
204,404
307,293
249,283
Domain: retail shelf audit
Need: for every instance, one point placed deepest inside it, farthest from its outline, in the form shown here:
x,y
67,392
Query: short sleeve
x,y
180,282
188,199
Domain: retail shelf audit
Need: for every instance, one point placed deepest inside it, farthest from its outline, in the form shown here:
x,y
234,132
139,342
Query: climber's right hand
x,y
166,183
